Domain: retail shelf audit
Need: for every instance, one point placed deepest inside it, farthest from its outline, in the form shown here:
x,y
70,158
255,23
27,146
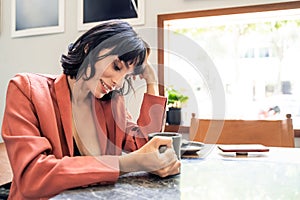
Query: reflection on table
x,y
210,175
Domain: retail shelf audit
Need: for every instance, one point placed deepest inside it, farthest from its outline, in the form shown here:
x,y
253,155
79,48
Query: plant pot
x,y
174,116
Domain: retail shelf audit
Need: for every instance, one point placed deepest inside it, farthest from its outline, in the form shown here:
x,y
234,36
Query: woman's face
x,y
109,75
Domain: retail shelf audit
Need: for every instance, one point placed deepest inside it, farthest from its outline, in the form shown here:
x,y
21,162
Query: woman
x,y
73,130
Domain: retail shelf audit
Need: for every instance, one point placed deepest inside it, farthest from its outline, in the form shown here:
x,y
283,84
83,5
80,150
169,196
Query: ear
x,y
148,51
86,48
88,71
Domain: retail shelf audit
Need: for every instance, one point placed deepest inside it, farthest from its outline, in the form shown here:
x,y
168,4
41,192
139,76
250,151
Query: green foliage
x,y
175,98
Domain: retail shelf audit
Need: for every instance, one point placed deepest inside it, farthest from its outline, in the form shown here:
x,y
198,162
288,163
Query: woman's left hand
x,y
150,77
148,74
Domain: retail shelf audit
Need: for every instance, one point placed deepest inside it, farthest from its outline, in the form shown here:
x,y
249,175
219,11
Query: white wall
x,y
42,53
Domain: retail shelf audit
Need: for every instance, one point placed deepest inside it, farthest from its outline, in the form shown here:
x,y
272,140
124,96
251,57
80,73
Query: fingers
x,y
134,76
158,141
161,163
172,169
167,157
168,160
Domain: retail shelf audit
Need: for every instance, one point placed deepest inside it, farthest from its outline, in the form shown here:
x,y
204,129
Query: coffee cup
x,y
176,137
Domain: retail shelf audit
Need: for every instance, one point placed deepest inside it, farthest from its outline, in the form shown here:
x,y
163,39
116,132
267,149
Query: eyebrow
x,y
120,61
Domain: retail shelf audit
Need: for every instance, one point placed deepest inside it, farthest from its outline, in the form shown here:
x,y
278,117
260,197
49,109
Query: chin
x,y
98,95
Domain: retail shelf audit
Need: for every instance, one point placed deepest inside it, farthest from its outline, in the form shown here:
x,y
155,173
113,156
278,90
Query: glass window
x,y
256,56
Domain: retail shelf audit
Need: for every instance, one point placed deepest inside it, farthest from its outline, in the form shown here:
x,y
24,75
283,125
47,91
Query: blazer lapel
x,y
119,115
64,103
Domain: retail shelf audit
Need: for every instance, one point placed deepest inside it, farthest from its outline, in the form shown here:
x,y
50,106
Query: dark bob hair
x,y
116,35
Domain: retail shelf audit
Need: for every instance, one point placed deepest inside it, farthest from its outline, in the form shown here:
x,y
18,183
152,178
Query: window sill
x,y
185,129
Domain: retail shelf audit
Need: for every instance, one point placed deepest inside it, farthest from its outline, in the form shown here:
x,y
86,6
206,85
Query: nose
x,y
117,81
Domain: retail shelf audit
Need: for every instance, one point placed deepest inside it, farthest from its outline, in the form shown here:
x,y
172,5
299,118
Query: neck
x,y
80,94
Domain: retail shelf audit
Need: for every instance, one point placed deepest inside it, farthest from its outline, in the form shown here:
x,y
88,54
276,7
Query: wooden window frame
x,y
206,13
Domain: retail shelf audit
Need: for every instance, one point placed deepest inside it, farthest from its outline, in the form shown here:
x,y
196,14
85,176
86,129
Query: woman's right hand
x,y
148,158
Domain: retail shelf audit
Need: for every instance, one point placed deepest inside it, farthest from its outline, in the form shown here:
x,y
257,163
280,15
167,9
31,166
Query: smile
x,y
106,87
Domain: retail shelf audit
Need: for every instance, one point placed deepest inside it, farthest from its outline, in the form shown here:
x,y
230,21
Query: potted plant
x,y
174,105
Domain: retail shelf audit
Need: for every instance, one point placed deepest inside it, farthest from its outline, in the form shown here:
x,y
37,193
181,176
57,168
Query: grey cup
x,y
176,137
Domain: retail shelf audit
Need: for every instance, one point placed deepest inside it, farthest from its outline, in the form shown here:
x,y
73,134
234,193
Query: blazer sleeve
x,y
151,119
37,172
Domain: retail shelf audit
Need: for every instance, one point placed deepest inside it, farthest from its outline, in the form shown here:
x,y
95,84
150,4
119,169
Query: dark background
x,y
101,10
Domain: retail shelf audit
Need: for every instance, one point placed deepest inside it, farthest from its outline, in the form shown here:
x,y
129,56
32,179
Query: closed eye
x,y
116,67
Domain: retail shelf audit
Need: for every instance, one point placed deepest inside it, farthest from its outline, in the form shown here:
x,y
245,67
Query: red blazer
x,y
37,131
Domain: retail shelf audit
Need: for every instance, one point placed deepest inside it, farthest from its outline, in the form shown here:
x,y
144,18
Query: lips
x,y
105,86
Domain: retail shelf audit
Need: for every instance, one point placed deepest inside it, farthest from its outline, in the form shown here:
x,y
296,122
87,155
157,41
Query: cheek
x,y
120,83
107,71
102,69
96,88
